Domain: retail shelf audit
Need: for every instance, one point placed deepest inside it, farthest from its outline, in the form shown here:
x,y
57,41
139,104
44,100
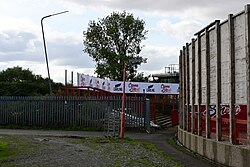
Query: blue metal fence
x,y
61,111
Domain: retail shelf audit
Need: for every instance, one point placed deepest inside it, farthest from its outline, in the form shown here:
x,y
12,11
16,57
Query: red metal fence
x,y
240,121
165,104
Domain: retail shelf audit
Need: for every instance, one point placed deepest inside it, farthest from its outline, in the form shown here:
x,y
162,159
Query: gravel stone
x,y
74,152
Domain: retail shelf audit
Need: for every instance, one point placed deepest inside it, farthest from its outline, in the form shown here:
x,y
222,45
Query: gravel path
x,y
49,151
71,148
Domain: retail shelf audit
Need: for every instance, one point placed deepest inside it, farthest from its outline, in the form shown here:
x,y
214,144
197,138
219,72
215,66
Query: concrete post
x,y
187,88
181,91
218,82
184,88
232,78
199,84
207,84
247,14
193,87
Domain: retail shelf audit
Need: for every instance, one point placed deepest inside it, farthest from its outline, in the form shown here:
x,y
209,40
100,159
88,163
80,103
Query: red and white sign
x,y
130,87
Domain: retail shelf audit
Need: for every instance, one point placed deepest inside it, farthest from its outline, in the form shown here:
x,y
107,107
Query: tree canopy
x,y
113,41
22,82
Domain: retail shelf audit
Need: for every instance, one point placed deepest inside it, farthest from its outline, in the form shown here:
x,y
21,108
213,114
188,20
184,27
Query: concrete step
x,y
163,120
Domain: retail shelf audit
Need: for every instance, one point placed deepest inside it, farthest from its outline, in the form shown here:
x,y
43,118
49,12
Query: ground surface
x,y
74,148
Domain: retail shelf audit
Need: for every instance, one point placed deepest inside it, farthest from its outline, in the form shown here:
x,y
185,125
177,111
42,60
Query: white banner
x,y
130,87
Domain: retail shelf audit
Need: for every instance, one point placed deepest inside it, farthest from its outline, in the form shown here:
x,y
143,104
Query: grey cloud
x,y
11,41
210,9
158,58
69,54
156,63
24,46
15,46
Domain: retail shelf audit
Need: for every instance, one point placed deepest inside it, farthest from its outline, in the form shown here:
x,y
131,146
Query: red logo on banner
x,y
134,87
165,88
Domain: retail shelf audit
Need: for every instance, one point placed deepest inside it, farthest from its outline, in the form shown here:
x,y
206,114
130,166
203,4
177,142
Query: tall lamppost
x,y
45,50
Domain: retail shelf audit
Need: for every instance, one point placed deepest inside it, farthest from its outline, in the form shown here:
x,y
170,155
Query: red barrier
x,y
174,116
240,121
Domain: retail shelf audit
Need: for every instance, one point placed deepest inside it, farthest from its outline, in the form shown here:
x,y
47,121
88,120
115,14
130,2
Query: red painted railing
x,y
240,129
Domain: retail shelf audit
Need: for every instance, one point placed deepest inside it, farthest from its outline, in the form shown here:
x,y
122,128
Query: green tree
x,y
16,74
22,82
140,78
113,41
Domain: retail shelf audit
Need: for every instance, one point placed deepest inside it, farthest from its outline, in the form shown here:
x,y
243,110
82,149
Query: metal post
x,y
147,116
123,103
66,78
45,50
72,82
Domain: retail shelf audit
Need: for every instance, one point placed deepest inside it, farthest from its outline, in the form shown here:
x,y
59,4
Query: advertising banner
x,y
130,87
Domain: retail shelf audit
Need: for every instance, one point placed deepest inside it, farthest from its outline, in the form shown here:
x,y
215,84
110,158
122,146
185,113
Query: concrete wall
x,y
190,73
225,60
196,72
203,69
240,60
221,152
213,53
221,78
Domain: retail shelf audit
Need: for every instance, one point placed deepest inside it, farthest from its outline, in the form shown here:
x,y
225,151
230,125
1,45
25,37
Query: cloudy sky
x,y
171,23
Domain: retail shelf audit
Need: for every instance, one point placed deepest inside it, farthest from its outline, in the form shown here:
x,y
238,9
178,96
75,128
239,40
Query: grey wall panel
x,y
240,60
191,79
225,62
203,69
196,72
213,52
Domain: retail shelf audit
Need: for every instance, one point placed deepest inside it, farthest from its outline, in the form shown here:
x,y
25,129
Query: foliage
x,y
22,82
140,78
113,41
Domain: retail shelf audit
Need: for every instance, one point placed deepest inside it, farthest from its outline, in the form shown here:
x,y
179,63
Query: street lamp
x,y
45,50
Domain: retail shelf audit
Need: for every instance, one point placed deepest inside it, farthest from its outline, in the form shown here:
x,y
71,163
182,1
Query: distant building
x,y
171,74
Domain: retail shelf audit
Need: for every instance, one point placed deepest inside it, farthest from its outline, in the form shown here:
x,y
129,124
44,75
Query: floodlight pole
x,y
45,50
